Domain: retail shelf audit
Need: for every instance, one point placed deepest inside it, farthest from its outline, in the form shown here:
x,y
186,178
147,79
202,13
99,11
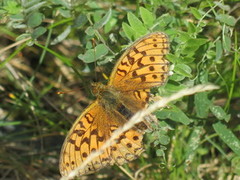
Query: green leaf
x,y
235,165
177,77
33,6
193,144
183,69
90,31
23,36
103,21
187,59
164,20
202,104
62,36
17,17
18,25
196,13
136,24
147,17
128,31
191,28
92,55
175,114
61,2
219,113
110,25
12,7
164,140
219,50
184,37
172,88
222,6
105,60
172,57
65,12
227,19
228,137
80,21
226,43
160,152
203,77
197,42
35,19
38,32
193,44
97,15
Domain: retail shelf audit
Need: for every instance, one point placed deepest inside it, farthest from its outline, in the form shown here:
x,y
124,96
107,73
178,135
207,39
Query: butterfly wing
x,y
143,64
89,133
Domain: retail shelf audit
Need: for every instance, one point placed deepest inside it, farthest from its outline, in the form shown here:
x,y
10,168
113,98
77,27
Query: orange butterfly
x,y
140,68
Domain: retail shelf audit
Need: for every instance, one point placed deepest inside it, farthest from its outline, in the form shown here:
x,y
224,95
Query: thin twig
x,y
127,173
140,170
14,44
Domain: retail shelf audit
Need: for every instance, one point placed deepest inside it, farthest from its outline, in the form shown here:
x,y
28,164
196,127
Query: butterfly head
x,y
98,88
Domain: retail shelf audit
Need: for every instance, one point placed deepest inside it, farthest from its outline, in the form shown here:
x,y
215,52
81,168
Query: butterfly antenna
x,y
67,92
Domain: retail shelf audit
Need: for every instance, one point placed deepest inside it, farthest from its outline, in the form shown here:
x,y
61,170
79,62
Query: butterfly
x,y
141,67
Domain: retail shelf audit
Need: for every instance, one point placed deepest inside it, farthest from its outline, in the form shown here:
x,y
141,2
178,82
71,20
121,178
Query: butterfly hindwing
x,y
89,133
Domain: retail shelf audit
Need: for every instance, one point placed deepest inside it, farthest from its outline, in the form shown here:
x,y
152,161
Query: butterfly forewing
x,y
143,65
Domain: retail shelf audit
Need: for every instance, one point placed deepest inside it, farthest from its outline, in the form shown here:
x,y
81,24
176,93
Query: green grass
x,y
58,46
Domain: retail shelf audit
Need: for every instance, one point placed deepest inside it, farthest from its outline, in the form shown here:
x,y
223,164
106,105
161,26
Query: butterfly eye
x,y
97,88
94,89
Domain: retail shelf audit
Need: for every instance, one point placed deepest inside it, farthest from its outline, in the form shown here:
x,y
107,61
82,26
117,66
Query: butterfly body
x,y
119,106
114,100
141,67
